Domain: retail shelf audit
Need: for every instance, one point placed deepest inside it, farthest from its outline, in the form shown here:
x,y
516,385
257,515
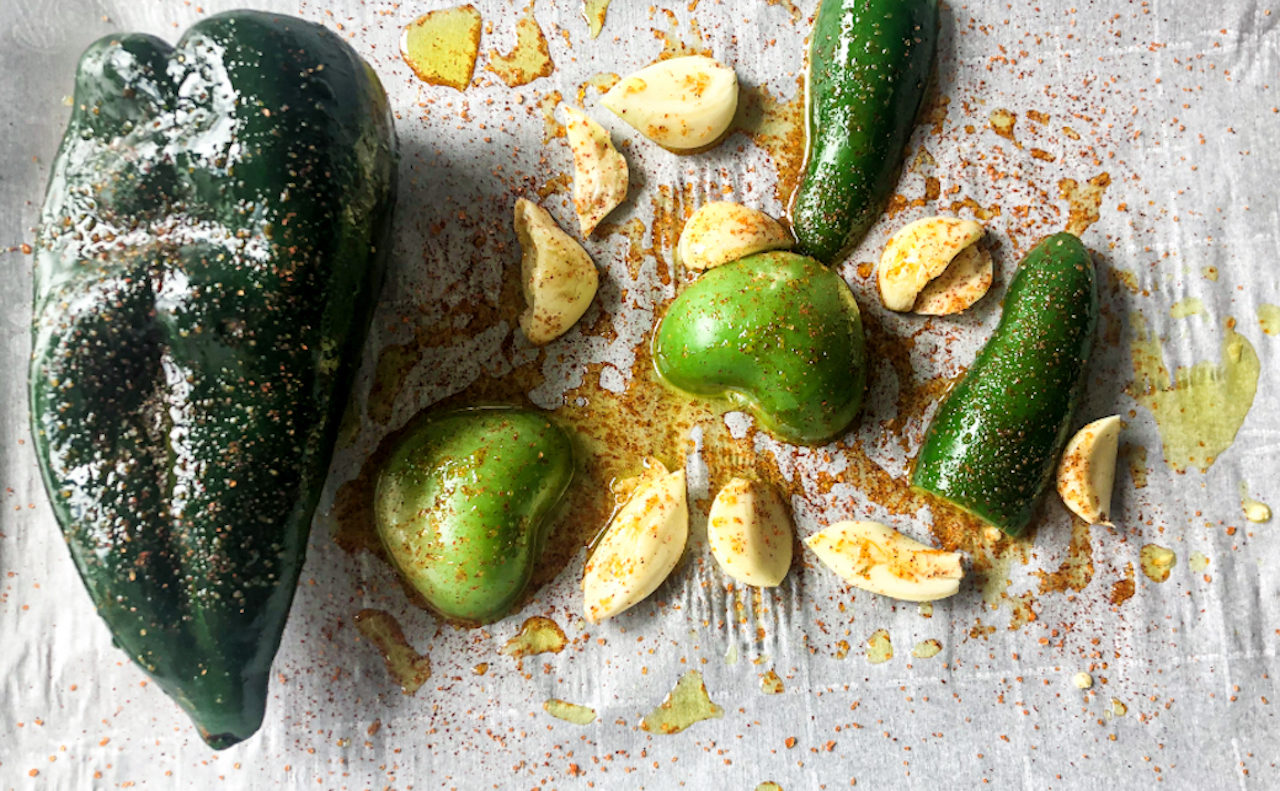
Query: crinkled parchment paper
x,y
1145,126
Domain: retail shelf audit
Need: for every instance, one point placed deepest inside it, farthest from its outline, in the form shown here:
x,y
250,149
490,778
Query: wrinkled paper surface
x,y
1175,105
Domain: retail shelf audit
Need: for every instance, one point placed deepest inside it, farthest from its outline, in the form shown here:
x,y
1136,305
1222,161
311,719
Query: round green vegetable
x,y
463,505
777,333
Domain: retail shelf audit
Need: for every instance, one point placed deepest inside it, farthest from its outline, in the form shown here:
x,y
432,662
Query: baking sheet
x,y
1174,105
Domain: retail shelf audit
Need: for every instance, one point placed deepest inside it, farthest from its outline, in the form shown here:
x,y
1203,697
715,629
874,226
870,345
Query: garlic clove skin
x,y
721,232
879,559
750,533
599,170
917,254
1087,471
558,276
680,103
640,548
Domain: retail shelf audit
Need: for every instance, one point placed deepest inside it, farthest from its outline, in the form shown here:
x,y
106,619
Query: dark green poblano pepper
x,y
209,252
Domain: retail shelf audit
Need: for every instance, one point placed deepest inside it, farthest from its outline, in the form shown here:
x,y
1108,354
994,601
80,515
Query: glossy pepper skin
x,y
869,64
464,505
776,333
994,444
211,244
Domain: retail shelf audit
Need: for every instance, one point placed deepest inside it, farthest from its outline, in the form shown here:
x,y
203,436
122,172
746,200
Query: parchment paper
x,y
1174,101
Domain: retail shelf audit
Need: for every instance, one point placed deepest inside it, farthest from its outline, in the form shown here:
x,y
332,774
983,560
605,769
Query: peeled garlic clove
x,y
750,533
680,103
965,281
918,253
623,488
559,277
879,559
1088,470
640,548
599,171
721,232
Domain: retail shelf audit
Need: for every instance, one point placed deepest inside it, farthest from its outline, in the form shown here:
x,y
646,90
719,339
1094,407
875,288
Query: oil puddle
x,y
927,649
1083,202
441,46
1136,457
1189,306
1122,590
685,705
395,362
1002,123
349,427
569,712
879,647
1269,318
547,104
791,7
674,45
1157,562
1076,571
1198,409
602,82
529,59
409,668
777,127
537,635
595,11
1254,510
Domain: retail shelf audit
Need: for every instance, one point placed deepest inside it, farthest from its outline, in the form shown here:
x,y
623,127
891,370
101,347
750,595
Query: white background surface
x,y
1175,100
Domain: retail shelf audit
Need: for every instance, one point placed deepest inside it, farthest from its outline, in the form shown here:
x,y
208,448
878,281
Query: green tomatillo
x,y
778,334
464,505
